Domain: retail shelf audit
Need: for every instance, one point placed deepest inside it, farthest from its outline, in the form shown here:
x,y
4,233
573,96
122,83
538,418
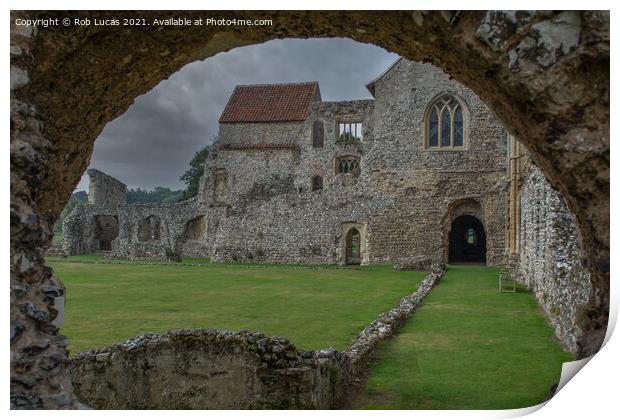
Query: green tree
x,y
76,198
191,177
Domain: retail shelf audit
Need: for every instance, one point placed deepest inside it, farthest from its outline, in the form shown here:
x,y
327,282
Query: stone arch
x,y
348,230
552,94
462,207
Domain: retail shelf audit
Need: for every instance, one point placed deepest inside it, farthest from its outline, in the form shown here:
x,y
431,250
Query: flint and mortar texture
x,y
105,190
210,369
256,202
550,257
544,74
257,198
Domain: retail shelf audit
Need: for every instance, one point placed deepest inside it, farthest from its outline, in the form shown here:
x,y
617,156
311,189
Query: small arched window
x,y
348,165
317,183
317,134
445,123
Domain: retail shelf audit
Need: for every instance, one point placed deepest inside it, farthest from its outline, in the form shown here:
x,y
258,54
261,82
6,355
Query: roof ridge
x,y
279,84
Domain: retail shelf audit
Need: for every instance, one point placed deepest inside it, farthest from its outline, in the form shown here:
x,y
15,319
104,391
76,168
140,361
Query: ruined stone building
x,y
424,171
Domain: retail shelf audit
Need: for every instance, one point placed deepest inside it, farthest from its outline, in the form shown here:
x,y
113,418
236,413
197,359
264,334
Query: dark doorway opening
x,y
353,247
468,242
106,230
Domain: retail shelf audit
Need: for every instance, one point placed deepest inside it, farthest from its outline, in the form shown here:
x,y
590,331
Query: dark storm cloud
x,y
151,144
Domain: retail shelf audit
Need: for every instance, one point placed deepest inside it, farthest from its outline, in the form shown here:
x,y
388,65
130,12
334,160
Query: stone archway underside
x,y
546,76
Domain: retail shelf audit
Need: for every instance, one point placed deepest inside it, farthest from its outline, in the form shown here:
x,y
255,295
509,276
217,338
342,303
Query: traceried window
x,y
348,165
445,123
317,183
349,131
317,134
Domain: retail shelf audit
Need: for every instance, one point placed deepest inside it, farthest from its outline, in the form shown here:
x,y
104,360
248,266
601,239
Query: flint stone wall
x,y
401,199
550,257
209,369
258,203
79,235
105,190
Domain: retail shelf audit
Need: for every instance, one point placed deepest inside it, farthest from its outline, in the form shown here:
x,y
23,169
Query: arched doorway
x,y
353,245
468,242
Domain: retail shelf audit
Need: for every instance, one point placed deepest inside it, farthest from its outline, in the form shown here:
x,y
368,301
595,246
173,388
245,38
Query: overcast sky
x,y
152,143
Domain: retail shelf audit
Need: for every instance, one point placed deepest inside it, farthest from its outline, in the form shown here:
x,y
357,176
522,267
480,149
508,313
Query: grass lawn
x,y
315,308
468,347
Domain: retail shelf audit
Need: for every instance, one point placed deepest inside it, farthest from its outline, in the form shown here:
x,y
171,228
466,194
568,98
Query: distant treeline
x,y
157,195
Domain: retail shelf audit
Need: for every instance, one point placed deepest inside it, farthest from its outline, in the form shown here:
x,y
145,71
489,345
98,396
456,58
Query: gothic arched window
x,y
445,126
348,165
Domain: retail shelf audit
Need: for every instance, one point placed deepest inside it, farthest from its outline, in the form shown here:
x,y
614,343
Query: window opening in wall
x,y
317,134
349,131
106,230
317,183
349,165
150,229
195,228
445,128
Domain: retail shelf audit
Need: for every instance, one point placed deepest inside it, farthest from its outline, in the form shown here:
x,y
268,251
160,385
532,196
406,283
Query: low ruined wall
x,y
550,257
79,230
387,324
210,369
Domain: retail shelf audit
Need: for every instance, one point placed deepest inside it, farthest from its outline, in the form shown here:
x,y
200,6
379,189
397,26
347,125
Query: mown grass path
x,y
468,347
314,307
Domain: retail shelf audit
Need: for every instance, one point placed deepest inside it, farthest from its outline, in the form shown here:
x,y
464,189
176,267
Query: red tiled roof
x,y
270,103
